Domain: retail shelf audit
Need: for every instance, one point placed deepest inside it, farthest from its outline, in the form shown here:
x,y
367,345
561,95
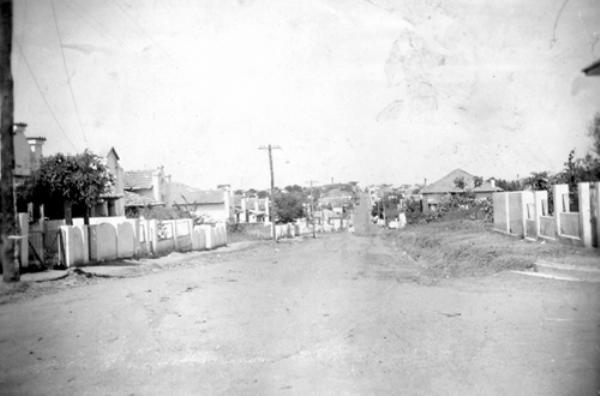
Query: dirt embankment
x,y
469,248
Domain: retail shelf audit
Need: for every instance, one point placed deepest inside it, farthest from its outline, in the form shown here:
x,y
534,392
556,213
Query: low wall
x,y
530,229
569,224
74,251
103,242
126,240
547,227
130,238
515,212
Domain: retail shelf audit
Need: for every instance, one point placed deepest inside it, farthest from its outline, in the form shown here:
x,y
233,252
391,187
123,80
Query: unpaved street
x,y
343,314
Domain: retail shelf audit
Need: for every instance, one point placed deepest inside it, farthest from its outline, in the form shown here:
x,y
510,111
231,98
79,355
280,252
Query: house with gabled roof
x,y
211,205
146,187
445,187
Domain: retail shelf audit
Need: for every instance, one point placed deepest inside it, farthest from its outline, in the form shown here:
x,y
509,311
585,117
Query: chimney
x,y
493,183
425,181
22,160
157,176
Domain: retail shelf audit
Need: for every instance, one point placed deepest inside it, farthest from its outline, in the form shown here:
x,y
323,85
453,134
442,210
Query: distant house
x,y
212,205
113,202
433,193
337,199
28,152
146,187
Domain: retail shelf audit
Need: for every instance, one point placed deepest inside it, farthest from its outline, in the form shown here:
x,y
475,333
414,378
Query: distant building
x,y
337,199
113,202
211,205
146,188
28,151
433,193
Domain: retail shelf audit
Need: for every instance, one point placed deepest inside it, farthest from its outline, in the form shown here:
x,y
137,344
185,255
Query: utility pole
x,y
8,225
272,206
312,207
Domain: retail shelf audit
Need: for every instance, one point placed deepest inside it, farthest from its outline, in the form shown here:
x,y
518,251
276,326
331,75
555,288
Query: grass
x,y
459,248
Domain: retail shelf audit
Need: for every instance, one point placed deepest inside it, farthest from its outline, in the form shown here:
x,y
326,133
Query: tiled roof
x,y
133,199
446,183
138,180
487,187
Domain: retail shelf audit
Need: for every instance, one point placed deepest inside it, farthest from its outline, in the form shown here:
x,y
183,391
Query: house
x,y
28,152
211,205
113,202
146,188
433,193
337,199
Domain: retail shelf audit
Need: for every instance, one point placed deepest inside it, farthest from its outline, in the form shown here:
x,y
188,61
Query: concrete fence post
x,y
558,191
539,197
524,217
585,218
23,219
175,234
153,236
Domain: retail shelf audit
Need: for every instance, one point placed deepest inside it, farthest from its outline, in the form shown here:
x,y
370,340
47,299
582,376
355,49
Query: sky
x,y
375,91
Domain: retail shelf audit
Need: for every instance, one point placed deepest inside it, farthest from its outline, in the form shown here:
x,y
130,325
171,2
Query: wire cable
x,y
67,72
39,88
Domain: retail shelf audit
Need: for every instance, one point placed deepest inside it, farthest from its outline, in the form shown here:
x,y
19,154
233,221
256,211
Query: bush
x,y
454,207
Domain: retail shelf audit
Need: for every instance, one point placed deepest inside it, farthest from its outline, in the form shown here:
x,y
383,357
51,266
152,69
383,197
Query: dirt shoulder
x,y
460,248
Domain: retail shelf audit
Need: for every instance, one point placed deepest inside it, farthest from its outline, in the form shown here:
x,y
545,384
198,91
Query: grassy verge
x,y
458,248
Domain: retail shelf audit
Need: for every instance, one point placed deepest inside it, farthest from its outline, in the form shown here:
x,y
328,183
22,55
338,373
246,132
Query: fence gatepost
x,y
153,236
585,220
558,191
539,197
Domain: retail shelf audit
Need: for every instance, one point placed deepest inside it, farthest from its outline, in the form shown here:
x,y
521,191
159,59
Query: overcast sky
x,y
369,90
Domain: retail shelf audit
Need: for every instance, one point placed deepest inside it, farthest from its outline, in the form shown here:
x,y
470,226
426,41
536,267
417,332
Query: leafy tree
x,y
262,194
69,180
508,185
294,188
478,181
289,207
459,182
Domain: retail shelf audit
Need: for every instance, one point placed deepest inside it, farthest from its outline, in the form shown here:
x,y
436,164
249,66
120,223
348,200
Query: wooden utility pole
x,y
8,225
312,207
272,206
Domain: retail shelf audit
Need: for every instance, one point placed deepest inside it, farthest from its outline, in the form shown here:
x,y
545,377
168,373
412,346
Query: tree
x,y
293,188
69,180
477,181
459,182
289,207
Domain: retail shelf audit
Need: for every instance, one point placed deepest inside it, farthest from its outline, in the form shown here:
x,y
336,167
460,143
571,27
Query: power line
x,y
93,22
145,33
39,88
62,52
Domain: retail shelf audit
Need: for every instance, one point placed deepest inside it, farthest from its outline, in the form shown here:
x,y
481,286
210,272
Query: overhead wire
x,y
39,88
145,33
76,107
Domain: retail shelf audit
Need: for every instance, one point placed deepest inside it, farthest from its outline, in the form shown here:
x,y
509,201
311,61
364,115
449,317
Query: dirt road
x,y
342,314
